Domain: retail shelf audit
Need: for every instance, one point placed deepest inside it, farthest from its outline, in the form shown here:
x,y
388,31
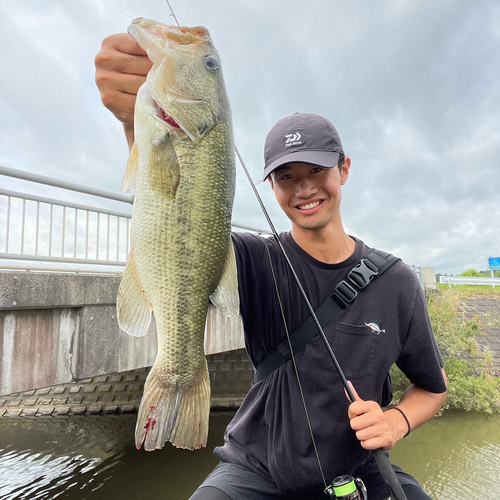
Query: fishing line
x,y
381,459
279,296
119,10
295,367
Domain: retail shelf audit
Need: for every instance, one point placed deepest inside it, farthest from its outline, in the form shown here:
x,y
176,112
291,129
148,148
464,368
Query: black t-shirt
x,y
269,433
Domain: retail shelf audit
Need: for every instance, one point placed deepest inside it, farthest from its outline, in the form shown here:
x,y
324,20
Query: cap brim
x,y
326,159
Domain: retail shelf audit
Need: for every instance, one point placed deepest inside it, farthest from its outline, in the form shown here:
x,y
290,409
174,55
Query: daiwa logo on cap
x,y
293,139
375,328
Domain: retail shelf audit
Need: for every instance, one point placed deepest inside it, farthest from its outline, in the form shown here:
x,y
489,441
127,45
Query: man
x,y
268,450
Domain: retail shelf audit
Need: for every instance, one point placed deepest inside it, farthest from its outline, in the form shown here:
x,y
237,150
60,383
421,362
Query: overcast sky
x,y
413,88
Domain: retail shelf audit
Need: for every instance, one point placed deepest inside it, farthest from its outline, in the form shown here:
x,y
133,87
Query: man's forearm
x,y
418,405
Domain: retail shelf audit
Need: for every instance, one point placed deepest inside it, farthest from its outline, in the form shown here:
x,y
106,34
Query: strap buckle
x,y
345,292
362,274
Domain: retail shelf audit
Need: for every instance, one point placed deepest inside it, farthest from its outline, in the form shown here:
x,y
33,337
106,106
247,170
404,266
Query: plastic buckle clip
x,y
345,292
361,275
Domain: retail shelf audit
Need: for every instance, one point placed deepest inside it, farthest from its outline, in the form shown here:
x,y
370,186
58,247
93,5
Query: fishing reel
x,y
347,488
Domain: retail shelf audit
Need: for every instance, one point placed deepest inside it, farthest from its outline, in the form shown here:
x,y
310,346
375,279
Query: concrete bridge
x,y
61,330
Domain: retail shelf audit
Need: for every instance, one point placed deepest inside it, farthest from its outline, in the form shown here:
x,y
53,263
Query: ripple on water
x,y
51,456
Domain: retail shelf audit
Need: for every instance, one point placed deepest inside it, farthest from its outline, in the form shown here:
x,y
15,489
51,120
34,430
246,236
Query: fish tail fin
x,y
178,415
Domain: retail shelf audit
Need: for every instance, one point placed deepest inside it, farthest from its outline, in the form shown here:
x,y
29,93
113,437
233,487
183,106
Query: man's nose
x,y
304,187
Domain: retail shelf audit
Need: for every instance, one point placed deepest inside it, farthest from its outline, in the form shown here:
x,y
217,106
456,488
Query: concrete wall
x,y
60,328
230,378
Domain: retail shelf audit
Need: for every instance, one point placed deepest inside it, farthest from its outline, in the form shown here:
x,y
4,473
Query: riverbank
x,y
466,323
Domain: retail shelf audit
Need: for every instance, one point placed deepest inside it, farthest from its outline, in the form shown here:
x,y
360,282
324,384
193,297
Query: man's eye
x,y
317,169
285,177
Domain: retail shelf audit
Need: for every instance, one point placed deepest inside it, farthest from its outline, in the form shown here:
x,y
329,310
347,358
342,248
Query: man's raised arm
x,y
121,68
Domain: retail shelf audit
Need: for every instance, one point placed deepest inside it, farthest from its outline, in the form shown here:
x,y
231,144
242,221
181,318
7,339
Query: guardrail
x,y
463,280
38,229
418,271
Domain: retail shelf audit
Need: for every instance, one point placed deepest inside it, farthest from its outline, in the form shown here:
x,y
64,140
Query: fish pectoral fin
x,y
226,296
132,308
130,176
164,172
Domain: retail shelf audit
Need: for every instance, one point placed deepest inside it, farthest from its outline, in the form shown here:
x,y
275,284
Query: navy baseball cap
x,y
302,137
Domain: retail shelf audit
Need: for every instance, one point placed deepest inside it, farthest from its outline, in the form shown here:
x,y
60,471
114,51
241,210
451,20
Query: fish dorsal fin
x,y
226,297
164,172
130,176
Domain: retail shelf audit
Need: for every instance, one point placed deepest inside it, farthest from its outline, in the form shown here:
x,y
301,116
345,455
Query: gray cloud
x,y
411,86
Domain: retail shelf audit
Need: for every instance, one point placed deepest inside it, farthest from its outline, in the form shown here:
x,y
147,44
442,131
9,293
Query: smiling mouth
x,y
308,206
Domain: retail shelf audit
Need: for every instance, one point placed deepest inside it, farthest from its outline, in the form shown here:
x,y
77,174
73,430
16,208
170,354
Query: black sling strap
x,y
372,264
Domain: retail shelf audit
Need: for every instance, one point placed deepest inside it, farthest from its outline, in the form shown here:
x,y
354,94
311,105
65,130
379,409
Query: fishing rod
x,y
381,459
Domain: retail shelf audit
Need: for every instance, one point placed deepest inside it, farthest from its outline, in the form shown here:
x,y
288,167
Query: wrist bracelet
x,y
405,417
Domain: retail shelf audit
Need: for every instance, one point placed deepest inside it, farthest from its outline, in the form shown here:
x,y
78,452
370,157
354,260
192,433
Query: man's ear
x,y
271,182
345,170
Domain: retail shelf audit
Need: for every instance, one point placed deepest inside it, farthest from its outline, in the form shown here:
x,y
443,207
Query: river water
x,y
456,456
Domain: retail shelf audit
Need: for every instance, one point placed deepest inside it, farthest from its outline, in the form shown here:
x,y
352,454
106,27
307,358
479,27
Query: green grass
x,y
470,290
471,384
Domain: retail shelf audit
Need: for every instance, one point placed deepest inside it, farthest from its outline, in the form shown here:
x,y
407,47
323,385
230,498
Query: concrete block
x,y
429,278
29,412
78,410
45,410
61,410
22,290
94,409
98,342
127,408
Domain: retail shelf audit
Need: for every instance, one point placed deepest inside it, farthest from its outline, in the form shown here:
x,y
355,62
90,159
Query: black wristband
x,y
405,417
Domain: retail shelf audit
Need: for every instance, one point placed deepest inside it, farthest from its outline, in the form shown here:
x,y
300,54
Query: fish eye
x,y
211,62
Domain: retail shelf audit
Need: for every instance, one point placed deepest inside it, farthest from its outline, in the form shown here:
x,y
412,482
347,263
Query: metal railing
x,y
418,271
465,280
39,229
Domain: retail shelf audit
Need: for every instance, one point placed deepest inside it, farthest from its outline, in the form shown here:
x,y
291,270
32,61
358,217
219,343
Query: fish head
x,y
186,78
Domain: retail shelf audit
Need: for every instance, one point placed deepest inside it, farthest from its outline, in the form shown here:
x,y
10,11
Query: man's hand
x,y
375,428
121,68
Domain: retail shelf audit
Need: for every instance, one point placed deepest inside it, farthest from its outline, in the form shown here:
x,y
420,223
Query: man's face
x,y
308,194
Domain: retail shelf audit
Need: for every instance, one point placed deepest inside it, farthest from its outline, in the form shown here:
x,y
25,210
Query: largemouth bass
x,y
182,166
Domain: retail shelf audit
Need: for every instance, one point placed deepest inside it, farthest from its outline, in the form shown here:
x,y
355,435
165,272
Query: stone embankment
x,y
487,309
230,376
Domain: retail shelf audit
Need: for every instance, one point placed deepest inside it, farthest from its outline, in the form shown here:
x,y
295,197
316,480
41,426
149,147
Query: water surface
x,y
455,457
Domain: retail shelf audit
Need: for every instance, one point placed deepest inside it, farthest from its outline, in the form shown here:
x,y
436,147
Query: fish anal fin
x,y
226,296
130,175
164,172
132,308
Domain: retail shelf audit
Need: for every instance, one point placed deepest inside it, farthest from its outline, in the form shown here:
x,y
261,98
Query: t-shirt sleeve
x,y
420,359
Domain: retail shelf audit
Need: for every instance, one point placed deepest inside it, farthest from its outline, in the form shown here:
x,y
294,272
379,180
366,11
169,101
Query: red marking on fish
x,y
169,119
